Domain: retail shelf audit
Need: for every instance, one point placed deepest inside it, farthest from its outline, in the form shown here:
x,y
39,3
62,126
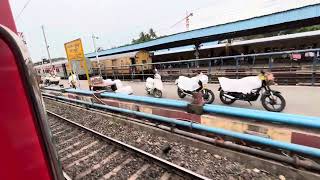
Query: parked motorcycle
x,y
49,79
73,81
249,88
154,86
98,83
188,86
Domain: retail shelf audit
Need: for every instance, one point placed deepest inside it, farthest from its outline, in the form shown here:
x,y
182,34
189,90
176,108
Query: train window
x,y
133,60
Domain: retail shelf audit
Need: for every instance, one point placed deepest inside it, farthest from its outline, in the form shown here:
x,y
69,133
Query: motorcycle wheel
x,y
224,99
208,96
157,93
180,93
274,103
148,92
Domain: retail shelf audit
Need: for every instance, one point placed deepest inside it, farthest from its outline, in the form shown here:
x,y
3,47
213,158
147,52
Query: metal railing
x,y
306,70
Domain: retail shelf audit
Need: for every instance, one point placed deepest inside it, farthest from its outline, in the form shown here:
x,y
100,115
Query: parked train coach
x,y
63,68
60,68
123,64
112,65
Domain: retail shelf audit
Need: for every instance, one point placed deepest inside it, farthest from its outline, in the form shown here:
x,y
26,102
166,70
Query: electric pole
x,y
47,47
96,52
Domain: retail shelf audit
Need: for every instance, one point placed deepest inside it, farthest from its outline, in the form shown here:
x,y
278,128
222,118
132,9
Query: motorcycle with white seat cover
x,y
188,86
249,88
154,86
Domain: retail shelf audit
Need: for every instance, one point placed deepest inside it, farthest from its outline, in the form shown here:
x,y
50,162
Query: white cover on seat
x,y
244,85
108,82
118,83
154,83
120,87
125,90
149,83
191,84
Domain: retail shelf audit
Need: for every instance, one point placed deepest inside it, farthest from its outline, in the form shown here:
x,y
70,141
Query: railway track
x,y
87,154
207,160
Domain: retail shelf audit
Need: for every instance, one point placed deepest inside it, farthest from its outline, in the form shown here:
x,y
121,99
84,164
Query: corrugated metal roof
x,y
202,35
185,48
278,38
238,43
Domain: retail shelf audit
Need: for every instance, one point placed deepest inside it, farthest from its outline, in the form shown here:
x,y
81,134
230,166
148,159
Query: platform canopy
x,y
293,18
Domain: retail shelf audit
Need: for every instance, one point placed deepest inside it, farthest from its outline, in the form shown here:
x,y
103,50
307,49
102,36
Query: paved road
x,y
303,100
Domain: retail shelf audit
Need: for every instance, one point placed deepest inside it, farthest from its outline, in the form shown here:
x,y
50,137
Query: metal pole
x,y
143,72
122,73
132,69
237,68
314,69
209,70
113,72
270,63
95,50
253,63
47,47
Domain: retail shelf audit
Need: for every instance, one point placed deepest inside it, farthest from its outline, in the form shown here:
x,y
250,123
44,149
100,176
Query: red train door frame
x,y
26,149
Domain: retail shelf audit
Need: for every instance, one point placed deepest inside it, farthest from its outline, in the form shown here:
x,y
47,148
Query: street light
x,y
95,50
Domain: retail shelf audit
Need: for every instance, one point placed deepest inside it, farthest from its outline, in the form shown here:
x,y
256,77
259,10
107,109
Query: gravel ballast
x,y
198,160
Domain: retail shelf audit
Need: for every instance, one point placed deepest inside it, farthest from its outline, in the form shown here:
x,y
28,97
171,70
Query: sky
x,y
117,22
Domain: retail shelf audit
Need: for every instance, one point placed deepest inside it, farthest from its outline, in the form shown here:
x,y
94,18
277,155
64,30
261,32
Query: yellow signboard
x,y
74,50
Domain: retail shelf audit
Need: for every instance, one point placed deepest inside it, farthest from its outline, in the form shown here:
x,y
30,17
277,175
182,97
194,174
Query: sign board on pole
x,y
75,52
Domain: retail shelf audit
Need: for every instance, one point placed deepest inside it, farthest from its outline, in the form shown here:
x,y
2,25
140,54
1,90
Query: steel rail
x,y
66,176
147,156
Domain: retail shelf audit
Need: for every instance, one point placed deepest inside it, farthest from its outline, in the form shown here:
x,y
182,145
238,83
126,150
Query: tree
x,y
152,33
144,37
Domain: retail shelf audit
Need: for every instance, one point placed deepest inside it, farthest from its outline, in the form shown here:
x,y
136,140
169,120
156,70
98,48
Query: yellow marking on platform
x,y
127,106
145,109
272,132
224,123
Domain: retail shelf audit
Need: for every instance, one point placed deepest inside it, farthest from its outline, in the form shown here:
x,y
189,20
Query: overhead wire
x,y
24,7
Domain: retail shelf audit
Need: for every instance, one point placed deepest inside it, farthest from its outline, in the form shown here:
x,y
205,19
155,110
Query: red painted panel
x,y
176,114
22,154
6,17
305,139
111,103
72,96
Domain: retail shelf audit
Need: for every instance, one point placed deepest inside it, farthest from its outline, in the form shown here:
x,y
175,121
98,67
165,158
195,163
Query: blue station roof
x,y
293,18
